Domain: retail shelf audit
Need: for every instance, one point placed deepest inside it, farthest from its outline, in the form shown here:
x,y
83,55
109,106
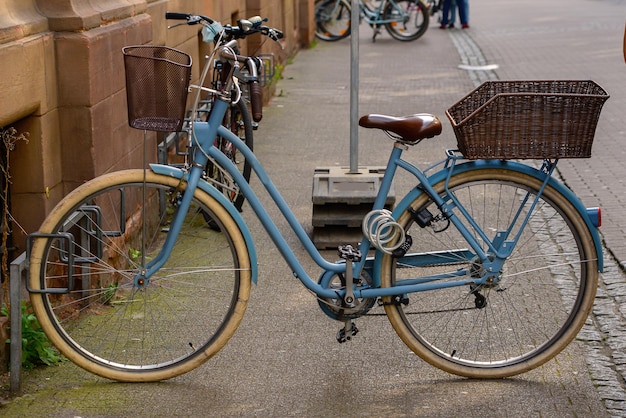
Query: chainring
x,y
335,308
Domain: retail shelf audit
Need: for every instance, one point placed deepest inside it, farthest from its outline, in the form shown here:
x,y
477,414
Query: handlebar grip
x,y
177,16
256,101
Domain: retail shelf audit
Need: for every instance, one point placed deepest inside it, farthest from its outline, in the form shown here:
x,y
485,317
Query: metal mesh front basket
x,y
157,81
528,119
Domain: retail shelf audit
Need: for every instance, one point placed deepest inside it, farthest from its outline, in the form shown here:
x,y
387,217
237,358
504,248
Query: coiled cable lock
x,y
382,230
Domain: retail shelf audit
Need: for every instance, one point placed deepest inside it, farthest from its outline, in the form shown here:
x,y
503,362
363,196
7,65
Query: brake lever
x,y
191,20
275,35
176,24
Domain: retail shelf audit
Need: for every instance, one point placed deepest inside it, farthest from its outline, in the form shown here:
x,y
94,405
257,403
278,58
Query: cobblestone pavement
x,y
284,360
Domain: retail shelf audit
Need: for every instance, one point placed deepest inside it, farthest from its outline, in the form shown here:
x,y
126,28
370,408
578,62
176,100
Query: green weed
x,y
36,348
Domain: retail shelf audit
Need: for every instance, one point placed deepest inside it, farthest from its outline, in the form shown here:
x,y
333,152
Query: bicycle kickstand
x,y
377,32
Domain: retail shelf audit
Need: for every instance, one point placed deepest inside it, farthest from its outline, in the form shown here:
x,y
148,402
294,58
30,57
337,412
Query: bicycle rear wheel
x,y
103,317
506,327
332,19
409,19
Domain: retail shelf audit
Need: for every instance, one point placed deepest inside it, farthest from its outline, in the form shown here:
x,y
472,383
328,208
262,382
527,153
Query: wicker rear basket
x,y
528,119
157,81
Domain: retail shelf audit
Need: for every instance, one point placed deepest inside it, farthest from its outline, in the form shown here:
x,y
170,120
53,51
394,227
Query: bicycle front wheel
x,y
525,317
409,19
87,265
332,19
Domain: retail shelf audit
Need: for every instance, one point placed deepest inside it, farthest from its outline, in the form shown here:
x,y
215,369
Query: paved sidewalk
x,y
576,40
284,360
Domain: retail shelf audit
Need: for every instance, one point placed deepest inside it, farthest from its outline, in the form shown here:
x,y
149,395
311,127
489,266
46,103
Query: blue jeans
x,y
462,5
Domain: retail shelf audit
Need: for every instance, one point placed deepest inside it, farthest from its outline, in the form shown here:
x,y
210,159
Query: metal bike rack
x,y
18,276
269,68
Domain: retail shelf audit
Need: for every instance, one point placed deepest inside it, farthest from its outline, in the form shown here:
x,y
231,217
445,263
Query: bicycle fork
x,y
182,200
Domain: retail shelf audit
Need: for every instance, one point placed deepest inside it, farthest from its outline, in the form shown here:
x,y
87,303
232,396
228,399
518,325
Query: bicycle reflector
x,y
595,216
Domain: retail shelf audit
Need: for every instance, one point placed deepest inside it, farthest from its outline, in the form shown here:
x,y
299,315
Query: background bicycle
x,y
238,119
404,20
436,9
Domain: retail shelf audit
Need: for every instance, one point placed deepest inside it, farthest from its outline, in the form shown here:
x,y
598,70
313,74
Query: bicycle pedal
x,y
401,300
348,252
343,336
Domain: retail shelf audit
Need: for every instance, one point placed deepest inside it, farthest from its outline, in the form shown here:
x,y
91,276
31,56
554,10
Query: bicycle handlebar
x,y
191,19
244,28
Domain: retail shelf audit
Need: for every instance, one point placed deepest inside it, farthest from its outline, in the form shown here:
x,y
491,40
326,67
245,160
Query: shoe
x,y
450,25
443,26
465,26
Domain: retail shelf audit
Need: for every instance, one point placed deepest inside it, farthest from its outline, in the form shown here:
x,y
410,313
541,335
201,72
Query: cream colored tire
x,y
101,315
515,323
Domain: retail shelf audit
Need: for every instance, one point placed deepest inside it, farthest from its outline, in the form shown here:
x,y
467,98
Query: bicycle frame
x,y
205,132
374,16
143,275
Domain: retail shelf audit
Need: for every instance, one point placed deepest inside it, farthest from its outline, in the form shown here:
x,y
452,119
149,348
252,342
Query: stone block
x,y
114,142
30,209
338,185
35,165
104,146
20,18
113,10
50,100
81,16
138,30
77,141
331,237
24,76
90,64
340,202
306,22
72,52
156,11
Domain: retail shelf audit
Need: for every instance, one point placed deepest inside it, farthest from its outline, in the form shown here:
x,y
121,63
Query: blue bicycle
x,y
404,20
487,268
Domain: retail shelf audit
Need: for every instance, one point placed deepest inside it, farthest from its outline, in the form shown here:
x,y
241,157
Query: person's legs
x,y
464,12
445,13
453,7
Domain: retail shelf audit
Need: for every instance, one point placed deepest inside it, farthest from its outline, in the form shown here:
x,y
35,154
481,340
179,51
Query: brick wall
x,y
62,80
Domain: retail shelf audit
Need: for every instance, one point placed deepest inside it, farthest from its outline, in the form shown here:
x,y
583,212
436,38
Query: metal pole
x,y
354,87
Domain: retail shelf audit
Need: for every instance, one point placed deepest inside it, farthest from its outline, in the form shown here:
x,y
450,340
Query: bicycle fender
x,y
513,166
175,172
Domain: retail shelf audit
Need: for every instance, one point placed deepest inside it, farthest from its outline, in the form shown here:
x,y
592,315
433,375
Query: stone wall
x,y
62,80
